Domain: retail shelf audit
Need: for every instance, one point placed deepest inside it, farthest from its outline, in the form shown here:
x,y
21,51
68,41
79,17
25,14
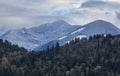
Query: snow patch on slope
x,y
81,36
62,37
78,30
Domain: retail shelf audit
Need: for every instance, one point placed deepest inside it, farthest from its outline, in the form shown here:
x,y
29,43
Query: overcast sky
x,y
29,13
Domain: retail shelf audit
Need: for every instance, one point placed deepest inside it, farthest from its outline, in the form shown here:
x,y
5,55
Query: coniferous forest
x,y
97,56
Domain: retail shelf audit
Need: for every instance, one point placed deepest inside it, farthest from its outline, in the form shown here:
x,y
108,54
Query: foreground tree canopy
x,y
97,56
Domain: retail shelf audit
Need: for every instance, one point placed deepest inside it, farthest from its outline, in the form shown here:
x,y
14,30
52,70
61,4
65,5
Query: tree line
x,y
97,56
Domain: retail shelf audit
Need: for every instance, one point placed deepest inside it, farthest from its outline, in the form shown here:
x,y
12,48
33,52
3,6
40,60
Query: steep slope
x,y
52,31
90,29
93,28
37,36
96,27
60,31
100,27
23,37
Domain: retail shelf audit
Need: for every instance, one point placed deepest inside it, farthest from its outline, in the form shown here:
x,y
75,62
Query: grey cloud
x,y
29,13
19,22
34,7
118,15
7,10
101,5
22,8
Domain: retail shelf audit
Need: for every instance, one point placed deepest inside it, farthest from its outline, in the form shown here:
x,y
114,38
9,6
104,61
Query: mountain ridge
x,y
58,31
86,31
36,36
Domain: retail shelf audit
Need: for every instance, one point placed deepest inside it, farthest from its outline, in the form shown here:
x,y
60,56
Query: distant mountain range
x,y
48,34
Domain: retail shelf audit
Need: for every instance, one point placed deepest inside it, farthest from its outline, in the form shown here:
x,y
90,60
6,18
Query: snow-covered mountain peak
x,y
59,25
58,31
37,36
100,27
60,22
99,23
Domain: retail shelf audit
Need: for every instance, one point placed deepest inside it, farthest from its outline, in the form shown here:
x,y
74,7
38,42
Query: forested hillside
x,y
97,56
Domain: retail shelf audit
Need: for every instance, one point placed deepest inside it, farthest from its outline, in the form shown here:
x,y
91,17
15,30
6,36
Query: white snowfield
x,y
62,37
78,30
81,36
